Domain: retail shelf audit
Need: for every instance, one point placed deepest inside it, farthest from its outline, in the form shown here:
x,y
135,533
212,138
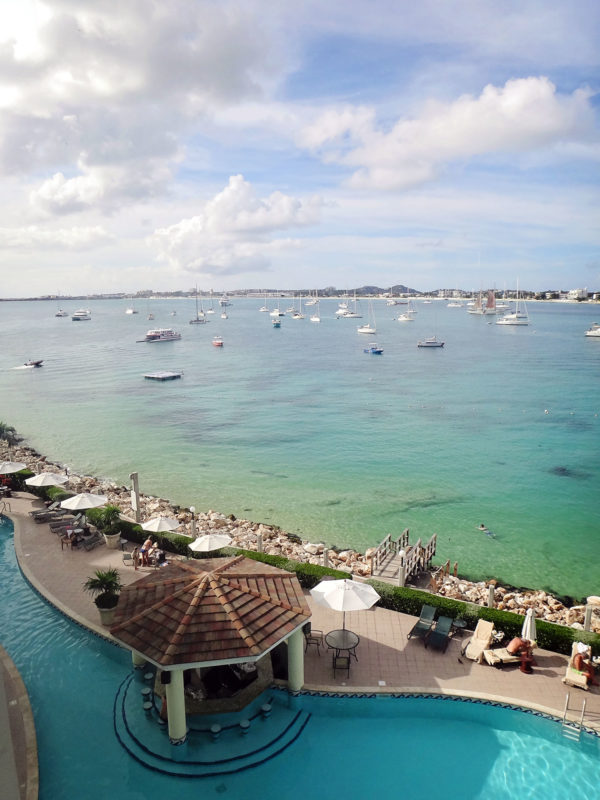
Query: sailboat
x,y
517,317
490,305
312,301
477,307
369,327
316,316
298,314
199,319
211,310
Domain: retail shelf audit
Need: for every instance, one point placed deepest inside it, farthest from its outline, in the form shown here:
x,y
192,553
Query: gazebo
x,y
194,614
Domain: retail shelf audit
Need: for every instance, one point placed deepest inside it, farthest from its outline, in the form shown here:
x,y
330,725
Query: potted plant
x,y
107,521
105,585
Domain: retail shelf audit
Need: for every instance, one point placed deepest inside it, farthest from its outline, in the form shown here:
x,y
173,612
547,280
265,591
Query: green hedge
x,y
557,638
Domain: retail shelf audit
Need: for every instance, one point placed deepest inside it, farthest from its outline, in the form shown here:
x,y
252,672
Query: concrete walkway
x,y
387,660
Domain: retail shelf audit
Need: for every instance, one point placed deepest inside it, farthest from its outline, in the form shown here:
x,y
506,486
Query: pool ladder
x,y
571,729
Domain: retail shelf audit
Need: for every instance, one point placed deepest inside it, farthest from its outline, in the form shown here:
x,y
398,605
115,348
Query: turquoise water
x,y
421,747
298,427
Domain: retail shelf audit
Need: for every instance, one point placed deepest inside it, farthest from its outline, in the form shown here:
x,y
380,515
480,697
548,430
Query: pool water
x,y
351,746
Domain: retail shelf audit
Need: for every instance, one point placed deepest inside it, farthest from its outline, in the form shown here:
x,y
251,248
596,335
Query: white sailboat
x,y
316,315
211,309
298,314
370,326
199,319
312,301
517,317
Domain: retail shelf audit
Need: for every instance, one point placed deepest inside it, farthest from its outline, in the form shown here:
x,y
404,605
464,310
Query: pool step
x,y
237,748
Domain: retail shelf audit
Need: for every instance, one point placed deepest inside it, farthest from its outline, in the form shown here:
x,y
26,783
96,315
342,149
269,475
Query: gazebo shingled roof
x,y
209,611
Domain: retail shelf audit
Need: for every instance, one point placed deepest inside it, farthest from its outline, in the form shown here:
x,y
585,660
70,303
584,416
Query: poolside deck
x,y
387,660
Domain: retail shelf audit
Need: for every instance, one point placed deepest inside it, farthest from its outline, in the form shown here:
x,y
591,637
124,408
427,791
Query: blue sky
x,y
270,144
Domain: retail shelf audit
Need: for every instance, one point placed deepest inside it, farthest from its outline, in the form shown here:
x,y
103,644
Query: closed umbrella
x,y
210,541
345,595
528,630
47,479
159,524
11,466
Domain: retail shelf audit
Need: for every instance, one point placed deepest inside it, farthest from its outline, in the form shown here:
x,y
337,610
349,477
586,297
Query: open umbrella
x,y
47,479
159,524
528,630
210,541
345,595
83,501
11,466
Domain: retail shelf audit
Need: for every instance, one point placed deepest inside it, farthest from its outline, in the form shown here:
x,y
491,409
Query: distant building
x,y
577,294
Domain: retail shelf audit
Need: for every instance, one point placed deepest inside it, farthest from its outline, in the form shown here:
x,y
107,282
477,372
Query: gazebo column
x,y
296,661
137,659
176,707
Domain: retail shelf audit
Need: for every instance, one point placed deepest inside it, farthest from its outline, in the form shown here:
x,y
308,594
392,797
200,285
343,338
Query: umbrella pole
x,y
343,620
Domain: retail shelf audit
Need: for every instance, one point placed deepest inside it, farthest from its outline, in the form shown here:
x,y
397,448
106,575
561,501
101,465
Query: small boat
x,y
224,315
81,314
454,304
405,318
61,313
276,322
517,317
370,326
224,301
150,316
594,331
217,341
162,376
373,349
432,341
37,363
131,311
161,335
199,319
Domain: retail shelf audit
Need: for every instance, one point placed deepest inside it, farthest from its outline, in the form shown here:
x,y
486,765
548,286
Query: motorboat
x,y
161,335
217,341
454,304
594,331
37,363
224,315
81,314
373,349
276,322
224,301
432,341
131,311
405,318
61,313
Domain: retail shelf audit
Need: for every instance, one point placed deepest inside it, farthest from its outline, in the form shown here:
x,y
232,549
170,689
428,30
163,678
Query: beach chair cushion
x,y
480,641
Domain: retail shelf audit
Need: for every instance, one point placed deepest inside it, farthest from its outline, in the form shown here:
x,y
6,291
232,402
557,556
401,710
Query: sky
x,y
271,144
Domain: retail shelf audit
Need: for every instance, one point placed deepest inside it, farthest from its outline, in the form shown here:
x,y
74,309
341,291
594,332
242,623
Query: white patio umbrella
x,y
210,541
159,524
80,502
345,595
528,630
11,466
47,479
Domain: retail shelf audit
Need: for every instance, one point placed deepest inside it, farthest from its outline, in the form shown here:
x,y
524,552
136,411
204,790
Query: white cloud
x,y
523,115
234,233
33,237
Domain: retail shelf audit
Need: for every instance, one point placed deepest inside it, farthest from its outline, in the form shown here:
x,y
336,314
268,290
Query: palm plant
x,y
105,585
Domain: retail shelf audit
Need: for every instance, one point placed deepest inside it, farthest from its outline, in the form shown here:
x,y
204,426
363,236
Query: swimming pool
x,y
351,746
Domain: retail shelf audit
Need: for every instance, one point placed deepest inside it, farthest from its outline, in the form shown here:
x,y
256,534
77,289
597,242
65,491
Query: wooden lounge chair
x,y
480,641
89,542
573,676
41,511
424,624
438,637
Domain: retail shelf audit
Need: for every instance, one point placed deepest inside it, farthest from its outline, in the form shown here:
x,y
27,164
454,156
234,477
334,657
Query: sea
x,y
298,427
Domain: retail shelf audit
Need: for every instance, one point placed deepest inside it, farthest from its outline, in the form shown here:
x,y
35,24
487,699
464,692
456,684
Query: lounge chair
x,y
424,624
480,641
51,516
573,676
41,511
89,542
60,525
438,637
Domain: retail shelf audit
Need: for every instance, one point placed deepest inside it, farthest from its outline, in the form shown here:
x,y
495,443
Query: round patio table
x,y
343,639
